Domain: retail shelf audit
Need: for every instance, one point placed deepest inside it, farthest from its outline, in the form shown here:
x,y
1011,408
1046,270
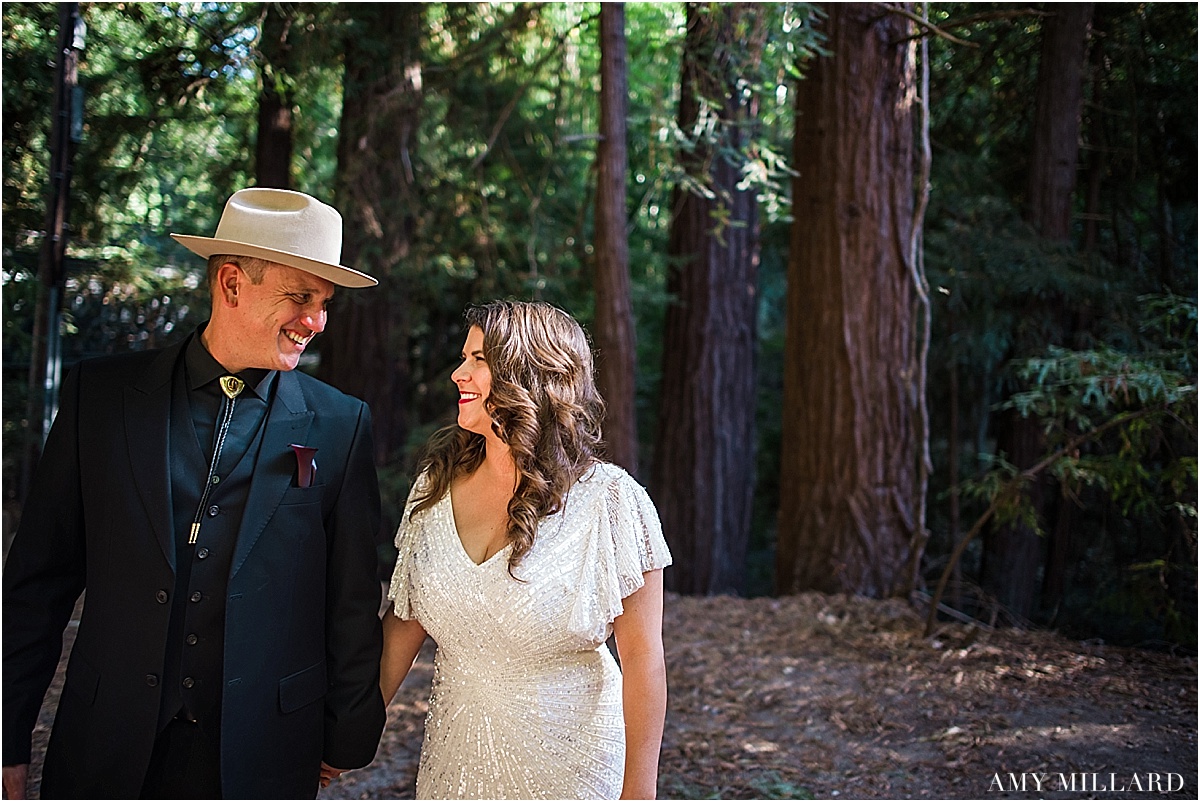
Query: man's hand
x,y
328,774
15,779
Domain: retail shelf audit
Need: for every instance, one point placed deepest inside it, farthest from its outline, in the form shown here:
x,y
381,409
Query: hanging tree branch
x,y
929,26
965,22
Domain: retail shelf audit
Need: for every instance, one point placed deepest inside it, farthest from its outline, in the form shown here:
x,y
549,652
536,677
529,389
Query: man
x,y
221,510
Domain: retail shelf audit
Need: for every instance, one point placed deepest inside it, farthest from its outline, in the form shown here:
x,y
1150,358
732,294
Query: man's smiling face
x,y
276,319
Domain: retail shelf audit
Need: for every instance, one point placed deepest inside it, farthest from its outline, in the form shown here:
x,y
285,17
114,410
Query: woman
x,y
520,552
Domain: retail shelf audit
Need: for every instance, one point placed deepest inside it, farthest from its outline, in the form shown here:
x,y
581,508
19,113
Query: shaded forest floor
x,y
835,697
831,697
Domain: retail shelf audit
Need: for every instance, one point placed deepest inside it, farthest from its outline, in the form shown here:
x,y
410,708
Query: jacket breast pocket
x,y
302,495
302,688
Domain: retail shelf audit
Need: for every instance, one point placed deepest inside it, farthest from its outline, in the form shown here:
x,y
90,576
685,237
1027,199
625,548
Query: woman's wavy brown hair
x,y
544,405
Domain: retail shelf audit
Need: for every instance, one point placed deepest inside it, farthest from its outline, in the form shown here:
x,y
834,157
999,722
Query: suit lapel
x,y
288,421
147,436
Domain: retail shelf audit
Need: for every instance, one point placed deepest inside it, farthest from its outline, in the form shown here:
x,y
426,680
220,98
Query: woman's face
x,y
474,380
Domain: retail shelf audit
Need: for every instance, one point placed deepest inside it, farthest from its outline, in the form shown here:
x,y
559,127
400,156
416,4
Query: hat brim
x,y
339,274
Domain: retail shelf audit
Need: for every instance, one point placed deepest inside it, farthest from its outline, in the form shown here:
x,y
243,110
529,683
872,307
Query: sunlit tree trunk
x,y
849,446
704,463
365,349
1012,553
613,329
273,148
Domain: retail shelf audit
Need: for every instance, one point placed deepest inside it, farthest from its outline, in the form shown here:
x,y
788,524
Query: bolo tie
x,y
231,387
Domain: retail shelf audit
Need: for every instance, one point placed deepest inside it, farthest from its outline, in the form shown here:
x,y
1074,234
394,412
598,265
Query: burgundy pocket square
x,y
306,465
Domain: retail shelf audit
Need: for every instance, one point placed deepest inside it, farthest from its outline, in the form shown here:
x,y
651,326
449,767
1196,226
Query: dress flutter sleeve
x,y
400,591
630,542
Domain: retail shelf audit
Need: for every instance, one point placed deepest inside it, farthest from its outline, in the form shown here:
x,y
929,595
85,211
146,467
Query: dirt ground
x,y
831,697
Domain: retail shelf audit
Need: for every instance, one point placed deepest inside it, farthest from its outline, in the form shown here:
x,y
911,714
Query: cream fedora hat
x,y
281,226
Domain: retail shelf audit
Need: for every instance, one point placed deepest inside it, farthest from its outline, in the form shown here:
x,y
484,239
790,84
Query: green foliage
x,y
30,32
757,143
1121,427
1076,334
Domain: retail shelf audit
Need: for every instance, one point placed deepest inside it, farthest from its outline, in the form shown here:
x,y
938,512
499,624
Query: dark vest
x,y
193,674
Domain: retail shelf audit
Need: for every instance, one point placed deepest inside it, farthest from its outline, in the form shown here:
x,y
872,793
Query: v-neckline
x,y
462,549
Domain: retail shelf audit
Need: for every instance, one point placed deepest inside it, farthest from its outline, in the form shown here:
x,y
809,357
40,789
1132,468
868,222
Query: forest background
x,y
891,300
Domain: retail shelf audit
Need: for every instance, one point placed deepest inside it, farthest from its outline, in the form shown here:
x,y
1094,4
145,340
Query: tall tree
x,y
46,359
1054,158
1012,552
613,327
849,446
704,453
365,350
273,147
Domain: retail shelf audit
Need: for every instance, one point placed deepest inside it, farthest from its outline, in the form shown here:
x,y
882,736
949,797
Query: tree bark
x,y
365,350
1012,554
273,149
1055,153
613,330
704,464
849,446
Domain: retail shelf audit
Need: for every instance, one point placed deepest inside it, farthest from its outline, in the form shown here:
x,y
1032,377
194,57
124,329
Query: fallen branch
x,y
925,598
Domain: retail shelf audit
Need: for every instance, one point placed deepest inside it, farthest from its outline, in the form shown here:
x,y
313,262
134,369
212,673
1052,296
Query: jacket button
x,y
202,554
188,682
213,510
192,640
152,680
161,597
196,596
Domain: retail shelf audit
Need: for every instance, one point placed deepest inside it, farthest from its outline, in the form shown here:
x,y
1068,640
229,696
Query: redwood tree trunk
x,y
704,464
1055,153
1013,553
365,349
613,329
273,149
849,446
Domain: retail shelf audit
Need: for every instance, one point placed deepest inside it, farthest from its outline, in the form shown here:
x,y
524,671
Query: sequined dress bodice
x,y
526,699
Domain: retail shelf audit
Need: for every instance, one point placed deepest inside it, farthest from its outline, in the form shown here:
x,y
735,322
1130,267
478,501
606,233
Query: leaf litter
x,y
839,697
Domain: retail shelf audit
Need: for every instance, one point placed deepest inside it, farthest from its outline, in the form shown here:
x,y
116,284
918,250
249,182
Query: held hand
x,y
15,779
328,774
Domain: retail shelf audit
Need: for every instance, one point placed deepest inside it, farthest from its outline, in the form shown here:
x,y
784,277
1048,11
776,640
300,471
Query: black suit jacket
x,y
302,632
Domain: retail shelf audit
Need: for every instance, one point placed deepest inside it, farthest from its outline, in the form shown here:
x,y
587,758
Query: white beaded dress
x,y
526,699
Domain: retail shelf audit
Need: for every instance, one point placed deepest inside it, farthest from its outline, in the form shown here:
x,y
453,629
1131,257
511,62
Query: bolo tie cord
x,y
231,386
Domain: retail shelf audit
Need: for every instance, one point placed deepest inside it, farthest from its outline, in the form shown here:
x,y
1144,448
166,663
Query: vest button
x,y
151,680
192,640
188,682
202,553
196,596
216,480
161,597
213,510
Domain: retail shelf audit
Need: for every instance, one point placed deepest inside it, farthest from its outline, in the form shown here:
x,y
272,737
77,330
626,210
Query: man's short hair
x,y
252,266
